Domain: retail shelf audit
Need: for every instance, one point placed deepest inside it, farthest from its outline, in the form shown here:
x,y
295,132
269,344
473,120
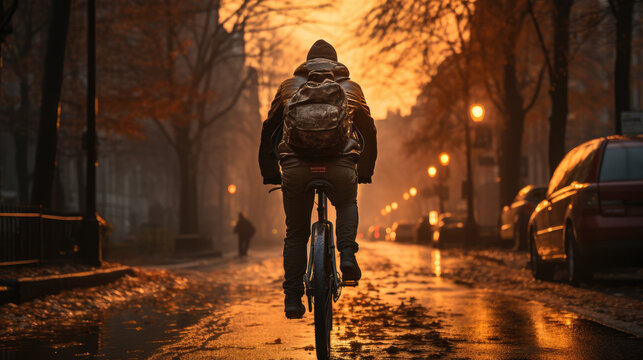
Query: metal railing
x,y
29,234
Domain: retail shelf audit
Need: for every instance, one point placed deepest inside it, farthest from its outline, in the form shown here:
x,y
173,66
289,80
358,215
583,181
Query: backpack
x,y
316,121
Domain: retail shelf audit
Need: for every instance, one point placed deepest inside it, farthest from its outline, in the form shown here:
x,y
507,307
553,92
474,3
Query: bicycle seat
x,y
319,184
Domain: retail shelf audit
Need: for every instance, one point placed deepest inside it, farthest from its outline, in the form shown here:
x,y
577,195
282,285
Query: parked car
x,y
592,216
423,231
403,232
449,230
375,232
515,216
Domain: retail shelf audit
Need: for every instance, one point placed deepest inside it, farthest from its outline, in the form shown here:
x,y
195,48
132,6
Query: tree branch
x,y
231,104
165,133
541,39
534,96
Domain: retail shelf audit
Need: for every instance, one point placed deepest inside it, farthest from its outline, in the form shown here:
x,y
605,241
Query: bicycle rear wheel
x,y
323,295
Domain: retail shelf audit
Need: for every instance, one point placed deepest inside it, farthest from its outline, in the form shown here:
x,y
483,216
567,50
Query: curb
x,y
29,288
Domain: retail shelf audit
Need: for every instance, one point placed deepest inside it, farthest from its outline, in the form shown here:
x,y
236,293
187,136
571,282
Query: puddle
x,y
118,335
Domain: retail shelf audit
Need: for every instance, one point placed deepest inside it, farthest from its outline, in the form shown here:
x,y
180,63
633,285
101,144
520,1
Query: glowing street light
x,y
383,212
406,196
413,191
232,189
388,209
432,171
444,159
394,205
477,113
433,217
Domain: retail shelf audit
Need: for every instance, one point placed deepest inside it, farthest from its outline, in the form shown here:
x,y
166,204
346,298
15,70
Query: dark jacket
x,y
244,228
362,146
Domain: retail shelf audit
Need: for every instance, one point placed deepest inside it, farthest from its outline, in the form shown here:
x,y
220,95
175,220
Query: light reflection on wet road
x,y
403,309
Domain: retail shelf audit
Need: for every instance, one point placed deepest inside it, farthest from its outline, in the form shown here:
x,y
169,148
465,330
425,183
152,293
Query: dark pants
x,y
244,243
298,206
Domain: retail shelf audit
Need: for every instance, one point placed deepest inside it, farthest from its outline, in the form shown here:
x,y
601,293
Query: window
x,y
585,161
622,161
559,174
536,195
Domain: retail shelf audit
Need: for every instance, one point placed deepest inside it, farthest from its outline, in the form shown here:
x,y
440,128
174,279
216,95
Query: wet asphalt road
x,y
403,309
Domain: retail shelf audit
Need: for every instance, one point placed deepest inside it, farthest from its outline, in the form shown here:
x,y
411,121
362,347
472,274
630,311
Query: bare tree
x,y
22,57
45,164
187,72
435,31
623,11
509,79
557,61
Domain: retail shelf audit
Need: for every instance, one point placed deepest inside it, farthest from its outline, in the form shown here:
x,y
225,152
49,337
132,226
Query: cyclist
x,y
351,163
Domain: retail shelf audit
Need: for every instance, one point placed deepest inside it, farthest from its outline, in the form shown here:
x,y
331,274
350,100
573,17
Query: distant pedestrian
x,y
245,230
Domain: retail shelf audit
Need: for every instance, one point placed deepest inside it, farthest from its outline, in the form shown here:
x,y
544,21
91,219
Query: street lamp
x,y
232,189
413,191
432,171
383,212
444,159
406,196
477,113
388,209
394,205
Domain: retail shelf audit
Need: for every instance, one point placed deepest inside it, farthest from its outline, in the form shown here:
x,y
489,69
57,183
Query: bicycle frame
x,y
322,214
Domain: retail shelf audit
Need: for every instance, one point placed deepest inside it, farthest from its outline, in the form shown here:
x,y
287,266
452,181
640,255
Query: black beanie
x,y
322,49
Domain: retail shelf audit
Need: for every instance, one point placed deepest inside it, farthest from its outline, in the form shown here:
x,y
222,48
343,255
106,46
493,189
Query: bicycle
x,y
323,284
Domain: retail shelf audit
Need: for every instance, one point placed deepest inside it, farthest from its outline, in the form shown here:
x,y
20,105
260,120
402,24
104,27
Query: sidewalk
x,y
150,285
24,283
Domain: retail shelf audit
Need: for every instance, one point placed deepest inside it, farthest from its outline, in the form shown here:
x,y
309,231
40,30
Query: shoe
x,y
348,266
294,308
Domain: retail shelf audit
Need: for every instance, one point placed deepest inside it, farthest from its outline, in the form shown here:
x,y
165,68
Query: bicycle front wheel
x,y
323,294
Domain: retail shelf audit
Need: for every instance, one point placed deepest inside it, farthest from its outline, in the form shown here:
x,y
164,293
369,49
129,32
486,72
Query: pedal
x,y
351,283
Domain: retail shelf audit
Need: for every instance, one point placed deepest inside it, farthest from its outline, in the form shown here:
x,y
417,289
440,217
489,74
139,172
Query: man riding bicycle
x,y
342,150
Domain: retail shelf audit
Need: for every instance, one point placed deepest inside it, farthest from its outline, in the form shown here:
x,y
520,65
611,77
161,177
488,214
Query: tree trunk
x,y
21,143
188,205
512,136
58,201
80,178
559,80
45,164
622,64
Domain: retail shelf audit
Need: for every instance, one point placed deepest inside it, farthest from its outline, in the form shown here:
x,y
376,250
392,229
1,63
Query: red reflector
x,y
317,169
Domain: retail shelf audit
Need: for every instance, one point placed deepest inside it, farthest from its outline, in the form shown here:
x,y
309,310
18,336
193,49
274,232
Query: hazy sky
x,y
337,26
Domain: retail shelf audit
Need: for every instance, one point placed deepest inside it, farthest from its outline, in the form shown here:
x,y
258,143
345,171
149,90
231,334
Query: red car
x,y
592,216
514,217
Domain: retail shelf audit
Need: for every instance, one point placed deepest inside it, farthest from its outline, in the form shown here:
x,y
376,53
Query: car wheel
x,y
522,235
519,242
577,268
539,269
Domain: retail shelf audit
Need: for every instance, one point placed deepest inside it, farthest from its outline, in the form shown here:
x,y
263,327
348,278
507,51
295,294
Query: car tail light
x,y
613,207
376,234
